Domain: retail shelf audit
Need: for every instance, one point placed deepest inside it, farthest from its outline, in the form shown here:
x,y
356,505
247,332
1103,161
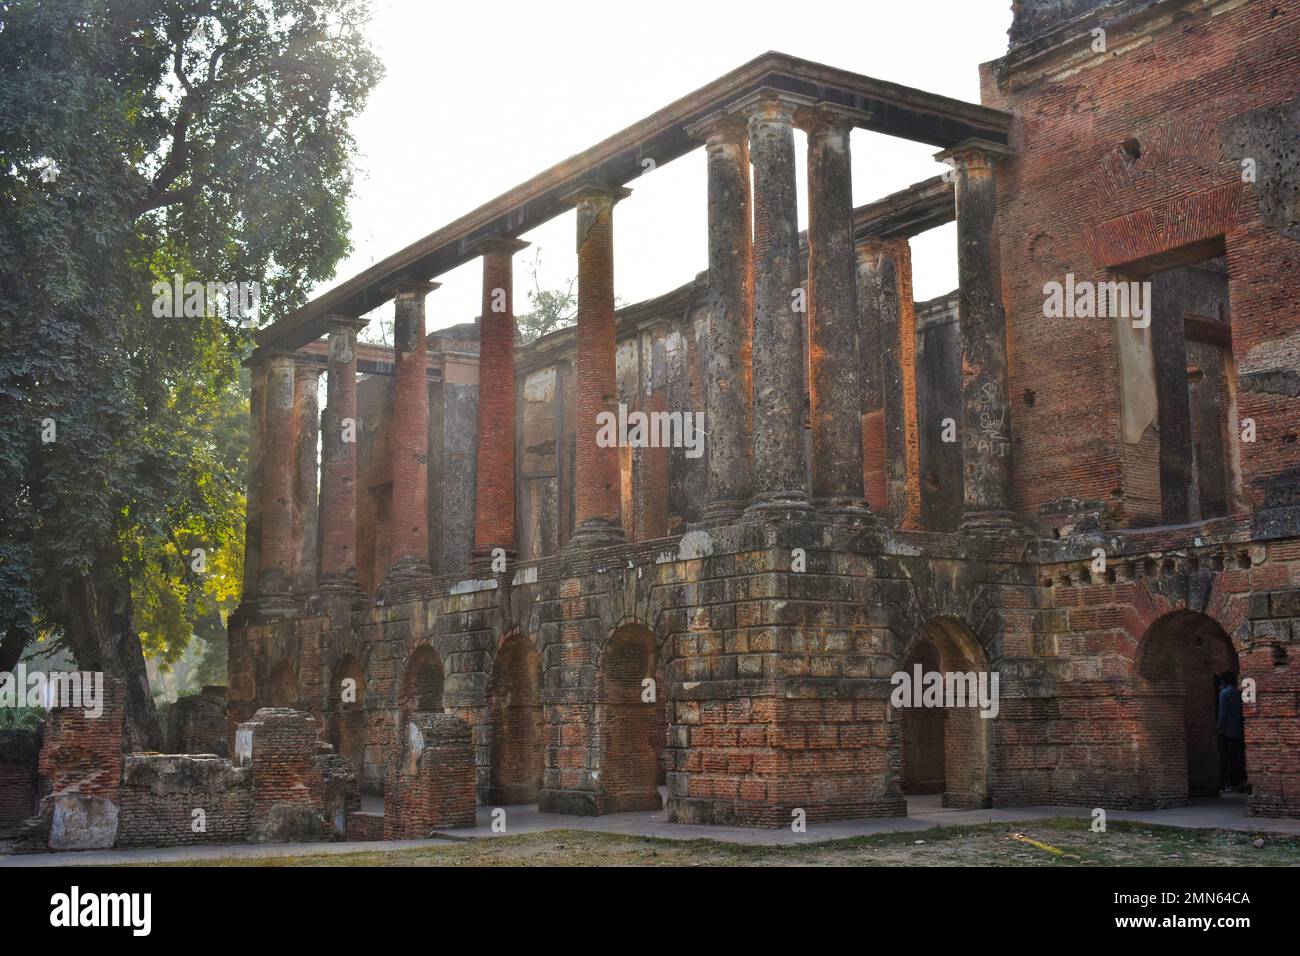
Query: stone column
x,y
306,418
598,511
494,493
986,425
339,434
780,457
834,385
409,436
274,588
728,418
892,446
257,374
875,287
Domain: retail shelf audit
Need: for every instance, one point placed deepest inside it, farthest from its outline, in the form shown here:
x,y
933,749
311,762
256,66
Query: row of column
x,y
756,453
757,460
287,521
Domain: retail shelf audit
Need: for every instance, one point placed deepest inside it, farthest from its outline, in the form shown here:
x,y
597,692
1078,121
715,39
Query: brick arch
x,y
281,686
957,745
423,678
515,720
346,711
1222,606
1175,664
633,732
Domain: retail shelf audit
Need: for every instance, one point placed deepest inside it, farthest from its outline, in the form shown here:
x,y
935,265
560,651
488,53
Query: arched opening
x,y
634,730
281,687
421,685
347,715
922,730
945,740
1181,659
515,723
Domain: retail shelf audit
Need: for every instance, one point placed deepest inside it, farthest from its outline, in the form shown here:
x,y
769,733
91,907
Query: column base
x,y
723,511
992,522
850,512
408,577
780,506
264,606
596,533
340,591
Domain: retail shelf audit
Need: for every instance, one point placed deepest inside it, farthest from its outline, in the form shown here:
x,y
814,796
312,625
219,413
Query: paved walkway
x,y
1225,813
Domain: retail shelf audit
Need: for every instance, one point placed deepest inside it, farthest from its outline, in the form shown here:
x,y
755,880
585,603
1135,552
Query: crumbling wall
x,y
301,789
431,778
197,724
180,799
19,752
81,773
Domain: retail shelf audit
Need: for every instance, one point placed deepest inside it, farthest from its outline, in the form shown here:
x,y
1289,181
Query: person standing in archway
x,y
1232,732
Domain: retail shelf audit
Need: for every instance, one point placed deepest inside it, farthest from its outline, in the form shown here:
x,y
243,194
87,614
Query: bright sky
x,y
478,97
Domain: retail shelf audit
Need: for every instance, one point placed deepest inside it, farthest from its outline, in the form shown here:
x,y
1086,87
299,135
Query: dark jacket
x,y
1230,721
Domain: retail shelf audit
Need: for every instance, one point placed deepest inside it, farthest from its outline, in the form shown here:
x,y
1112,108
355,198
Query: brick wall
x,y
430,782
162,792
1076,199
19,750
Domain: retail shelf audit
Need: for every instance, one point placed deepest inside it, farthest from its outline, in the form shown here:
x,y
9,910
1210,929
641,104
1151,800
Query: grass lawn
x,y
1052,842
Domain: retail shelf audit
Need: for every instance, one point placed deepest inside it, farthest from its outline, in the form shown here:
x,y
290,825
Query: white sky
x,y
478,97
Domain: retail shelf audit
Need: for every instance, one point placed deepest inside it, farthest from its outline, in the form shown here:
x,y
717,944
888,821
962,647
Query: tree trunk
x,y
11,648
101,632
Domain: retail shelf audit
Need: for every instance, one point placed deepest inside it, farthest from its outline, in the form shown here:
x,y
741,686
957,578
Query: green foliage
x,y
551,309
140,139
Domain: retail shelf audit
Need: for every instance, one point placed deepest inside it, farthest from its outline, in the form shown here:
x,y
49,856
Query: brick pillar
x,y
598,511
409,436
306,416
986,424
494,491
276,560
728,403
780,456
873,288
834,386
891,436
339,433
257,373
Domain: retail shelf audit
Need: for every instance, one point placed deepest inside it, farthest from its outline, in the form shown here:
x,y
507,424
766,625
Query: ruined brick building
x,y
884,482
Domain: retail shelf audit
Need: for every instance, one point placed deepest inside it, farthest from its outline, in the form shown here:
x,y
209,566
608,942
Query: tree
x,y
140,140
550,309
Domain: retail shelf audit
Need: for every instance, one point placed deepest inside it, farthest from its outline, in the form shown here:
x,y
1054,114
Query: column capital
x,y
823,117
595,194
266,355
487,245
979,153
304,365
718,128
338,322
769,103
410,287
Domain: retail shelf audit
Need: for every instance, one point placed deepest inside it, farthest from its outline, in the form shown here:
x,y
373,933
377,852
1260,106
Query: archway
x,y
922,728
945,748
515,723
633,730
347,715
281,686
1178,658
421,685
